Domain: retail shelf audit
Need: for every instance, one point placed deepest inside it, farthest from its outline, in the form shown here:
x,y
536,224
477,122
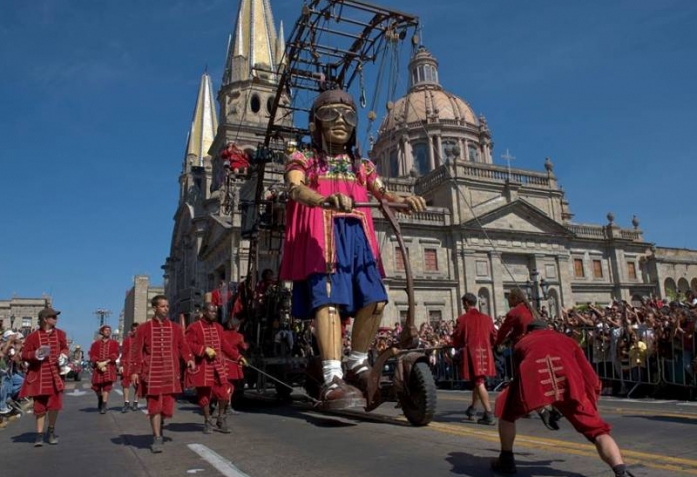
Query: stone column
x,y
431,146
498,299
566,297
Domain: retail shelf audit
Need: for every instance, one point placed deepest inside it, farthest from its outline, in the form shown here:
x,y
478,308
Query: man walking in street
x,y
210,376
126,366
475,335
103,355
159,345
42,350
551,369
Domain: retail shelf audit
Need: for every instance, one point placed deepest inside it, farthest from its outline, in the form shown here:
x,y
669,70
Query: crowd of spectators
x,y
12,371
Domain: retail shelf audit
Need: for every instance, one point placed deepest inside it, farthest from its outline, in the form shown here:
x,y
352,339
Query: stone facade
x,y
136,308
22,314
489,228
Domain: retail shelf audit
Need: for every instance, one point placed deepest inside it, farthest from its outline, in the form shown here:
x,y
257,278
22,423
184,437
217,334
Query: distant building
x,y
490,227
136,308
22,313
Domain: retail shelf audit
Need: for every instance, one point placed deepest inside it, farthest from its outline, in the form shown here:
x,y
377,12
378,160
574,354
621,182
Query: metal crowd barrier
x,y
623,371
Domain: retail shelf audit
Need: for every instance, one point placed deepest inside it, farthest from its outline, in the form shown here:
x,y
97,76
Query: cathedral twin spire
x,y
253,44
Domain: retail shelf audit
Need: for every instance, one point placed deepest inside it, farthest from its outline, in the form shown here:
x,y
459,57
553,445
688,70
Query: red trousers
x,y
42,404
220,392
161,404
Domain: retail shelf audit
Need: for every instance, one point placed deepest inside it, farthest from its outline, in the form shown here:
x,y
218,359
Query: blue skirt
x,y
356,282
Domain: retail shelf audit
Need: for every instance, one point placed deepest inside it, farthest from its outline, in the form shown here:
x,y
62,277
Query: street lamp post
x,y
537,288
103,314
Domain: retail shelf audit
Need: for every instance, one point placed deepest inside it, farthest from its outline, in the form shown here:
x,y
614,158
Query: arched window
x,y
394,163
473,153
420,153
484,301
683,286
671,290
694,284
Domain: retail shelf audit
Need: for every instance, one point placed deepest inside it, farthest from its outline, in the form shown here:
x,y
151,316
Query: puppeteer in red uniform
x,y
103,355
517,319
551,369
158,347
235,360
210,376
475,335
126,368
42,351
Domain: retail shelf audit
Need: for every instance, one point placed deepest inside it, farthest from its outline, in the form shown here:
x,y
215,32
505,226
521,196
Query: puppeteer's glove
x,y
210,352
243,361
101,365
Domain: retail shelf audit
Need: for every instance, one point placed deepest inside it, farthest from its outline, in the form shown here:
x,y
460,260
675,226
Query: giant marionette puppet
x,y
330,251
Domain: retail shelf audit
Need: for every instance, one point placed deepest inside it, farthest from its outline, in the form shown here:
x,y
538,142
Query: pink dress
x,y
309,240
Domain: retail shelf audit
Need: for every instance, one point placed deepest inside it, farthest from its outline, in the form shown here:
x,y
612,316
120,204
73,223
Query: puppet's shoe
x,y
504,465
359,376
338,395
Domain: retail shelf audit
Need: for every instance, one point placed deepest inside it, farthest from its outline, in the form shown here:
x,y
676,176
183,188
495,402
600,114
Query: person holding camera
x,y
42,350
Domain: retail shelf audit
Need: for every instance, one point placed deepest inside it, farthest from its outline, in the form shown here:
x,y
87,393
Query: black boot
x,y
470,413
39,441
505,464
102,408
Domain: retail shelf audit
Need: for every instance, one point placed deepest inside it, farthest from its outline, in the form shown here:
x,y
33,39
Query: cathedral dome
x,y
426,100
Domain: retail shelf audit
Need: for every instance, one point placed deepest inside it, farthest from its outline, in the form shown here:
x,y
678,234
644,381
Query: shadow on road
x,y
26,437
471,465
142,441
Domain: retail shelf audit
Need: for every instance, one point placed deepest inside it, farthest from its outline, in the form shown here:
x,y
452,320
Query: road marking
x,y
195,471
76,392
118,391
687,404
221,464
675,464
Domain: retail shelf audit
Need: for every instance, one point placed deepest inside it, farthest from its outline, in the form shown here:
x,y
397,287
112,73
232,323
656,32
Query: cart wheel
x,y
419,404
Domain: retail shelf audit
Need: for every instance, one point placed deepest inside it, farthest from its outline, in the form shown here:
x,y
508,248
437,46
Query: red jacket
x,y
208,372
104,351
475,334
42,377
549,367
157,348
236,341
515,325
126,357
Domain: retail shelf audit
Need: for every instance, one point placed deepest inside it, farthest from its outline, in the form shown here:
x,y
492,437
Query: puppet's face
x,y
337,122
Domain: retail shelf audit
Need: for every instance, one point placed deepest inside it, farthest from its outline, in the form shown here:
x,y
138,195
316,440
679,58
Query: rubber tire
x,y
420,405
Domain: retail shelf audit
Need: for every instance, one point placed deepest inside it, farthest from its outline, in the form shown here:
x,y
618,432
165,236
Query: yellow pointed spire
x,y
204,123
253,43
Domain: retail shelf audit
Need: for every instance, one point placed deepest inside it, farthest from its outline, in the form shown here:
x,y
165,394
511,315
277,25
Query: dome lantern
x,y
423,69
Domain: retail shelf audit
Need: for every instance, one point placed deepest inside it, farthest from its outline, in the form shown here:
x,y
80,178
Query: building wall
x,y
25,312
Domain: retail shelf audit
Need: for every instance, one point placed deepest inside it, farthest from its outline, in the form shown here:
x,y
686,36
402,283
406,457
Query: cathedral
x,y
488,229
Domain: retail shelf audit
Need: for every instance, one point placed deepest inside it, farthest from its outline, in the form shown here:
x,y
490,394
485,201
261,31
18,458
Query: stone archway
x,y
694,284
670,289
636,300
484,301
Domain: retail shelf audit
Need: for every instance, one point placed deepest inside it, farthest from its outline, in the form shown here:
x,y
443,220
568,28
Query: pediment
x,y
518,216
